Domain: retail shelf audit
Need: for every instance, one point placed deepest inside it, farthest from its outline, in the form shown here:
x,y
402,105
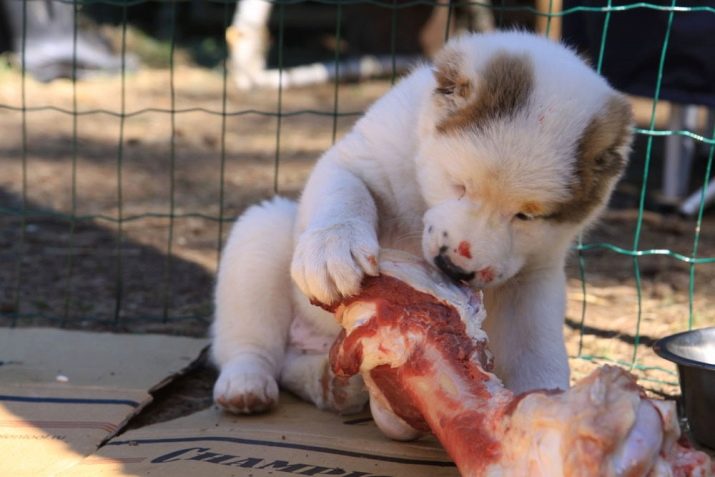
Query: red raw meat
x,y
417,340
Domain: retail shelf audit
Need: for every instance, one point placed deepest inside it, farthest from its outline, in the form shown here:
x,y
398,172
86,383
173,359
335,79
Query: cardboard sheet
x,y
295,439
44,429
46,355
62,393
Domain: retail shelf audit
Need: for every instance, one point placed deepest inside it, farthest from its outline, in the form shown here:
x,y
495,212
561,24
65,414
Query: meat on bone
x,y
417,340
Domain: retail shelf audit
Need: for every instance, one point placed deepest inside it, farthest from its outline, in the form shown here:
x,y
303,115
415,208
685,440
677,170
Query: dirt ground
x,y
151,274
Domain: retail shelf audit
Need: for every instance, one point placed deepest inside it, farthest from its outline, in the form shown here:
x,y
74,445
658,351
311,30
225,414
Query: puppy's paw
x,y
245,388
331,262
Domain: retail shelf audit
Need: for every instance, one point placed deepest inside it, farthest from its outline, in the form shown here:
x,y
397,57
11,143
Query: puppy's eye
x,y
446,90
524,216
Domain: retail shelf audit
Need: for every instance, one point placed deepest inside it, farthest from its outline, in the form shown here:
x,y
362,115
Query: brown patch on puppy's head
x,y
601,158
503,88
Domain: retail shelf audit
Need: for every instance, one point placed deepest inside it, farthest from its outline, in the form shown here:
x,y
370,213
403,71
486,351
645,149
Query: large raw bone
x,y
417,340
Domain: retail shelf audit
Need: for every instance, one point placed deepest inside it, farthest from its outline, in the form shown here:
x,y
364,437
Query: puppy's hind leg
x,y
253,307
310,377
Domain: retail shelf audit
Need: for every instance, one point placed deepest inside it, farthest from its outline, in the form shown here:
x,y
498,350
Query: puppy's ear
x,y
601,158
454,88
605,144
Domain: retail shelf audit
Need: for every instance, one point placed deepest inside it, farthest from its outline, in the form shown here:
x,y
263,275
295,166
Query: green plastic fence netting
x,y
21,209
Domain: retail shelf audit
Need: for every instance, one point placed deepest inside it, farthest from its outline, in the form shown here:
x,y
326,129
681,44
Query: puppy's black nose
x,y
453,271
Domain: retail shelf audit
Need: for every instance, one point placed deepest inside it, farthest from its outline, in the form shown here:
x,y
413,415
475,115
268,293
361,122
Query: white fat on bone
x,y
602,426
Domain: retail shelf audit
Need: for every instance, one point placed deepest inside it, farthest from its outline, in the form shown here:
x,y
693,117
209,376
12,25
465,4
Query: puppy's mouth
x,y
449,268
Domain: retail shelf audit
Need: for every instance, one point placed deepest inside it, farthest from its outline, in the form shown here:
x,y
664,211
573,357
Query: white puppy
x,y
488,162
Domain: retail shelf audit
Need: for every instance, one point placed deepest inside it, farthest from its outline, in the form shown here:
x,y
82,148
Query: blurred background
x,y
135,131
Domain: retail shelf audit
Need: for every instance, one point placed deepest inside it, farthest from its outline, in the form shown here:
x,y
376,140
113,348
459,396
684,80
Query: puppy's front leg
x,y
525,318
337,242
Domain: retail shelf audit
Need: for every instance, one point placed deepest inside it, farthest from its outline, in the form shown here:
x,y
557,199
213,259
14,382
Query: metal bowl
x,y
694,353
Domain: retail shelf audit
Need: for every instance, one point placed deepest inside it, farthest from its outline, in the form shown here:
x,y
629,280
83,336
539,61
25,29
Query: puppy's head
x,y
520,146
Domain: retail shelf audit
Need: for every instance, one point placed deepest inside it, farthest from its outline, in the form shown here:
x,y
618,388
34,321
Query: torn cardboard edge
x,y
169,399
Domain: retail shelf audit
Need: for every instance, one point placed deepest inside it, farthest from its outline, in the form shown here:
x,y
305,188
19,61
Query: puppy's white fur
x,y
499,197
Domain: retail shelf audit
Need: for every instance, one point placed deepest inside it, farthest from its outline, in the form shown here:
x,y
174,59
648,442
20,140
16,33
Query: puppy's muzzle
x,y
453,271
